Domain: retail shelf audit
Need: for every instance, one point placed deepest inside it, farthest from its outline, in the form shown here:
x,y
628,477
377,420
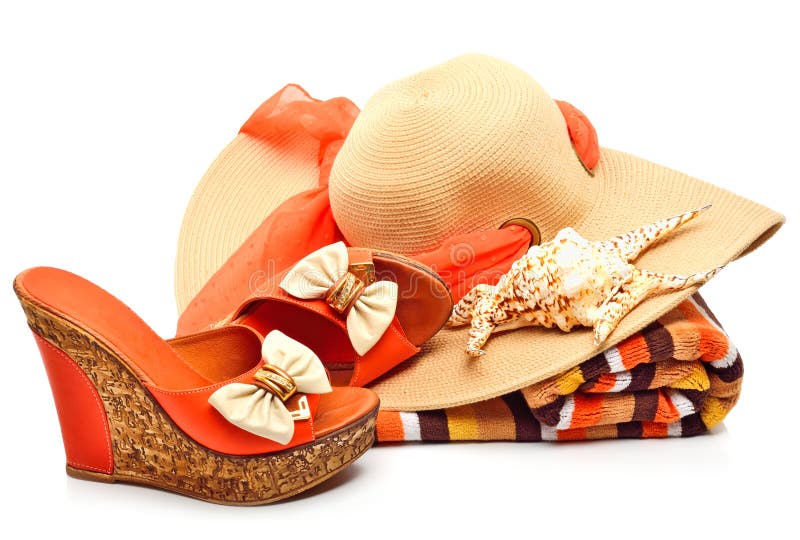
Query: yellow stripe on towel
x,y
462,423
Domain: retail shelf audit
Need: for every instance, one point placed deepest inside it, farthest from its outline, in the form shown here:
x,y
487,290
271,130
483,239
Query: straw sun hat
x,y
248,180
464,147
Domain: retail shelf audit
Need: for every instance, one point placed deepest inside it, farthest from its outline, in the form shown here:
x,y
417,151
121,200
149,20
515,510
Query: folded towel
x,y
678,377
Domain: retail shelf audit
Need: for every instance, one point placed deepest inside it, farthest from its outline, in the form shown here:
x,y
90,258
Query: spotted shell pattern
x,y
570,281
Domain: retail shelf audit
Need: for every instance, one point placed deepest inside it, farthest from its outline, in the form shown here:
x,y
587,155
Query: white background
x,y
109,116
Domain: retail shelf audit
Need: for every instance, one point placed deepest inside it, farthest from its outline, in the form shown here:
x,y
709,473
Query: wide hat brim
x,y
280,151
249,179
630,192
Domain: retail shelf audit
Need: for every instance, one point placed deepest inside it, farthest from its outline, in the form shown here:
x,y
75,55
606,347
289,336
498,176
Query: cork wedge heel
x,y
122,420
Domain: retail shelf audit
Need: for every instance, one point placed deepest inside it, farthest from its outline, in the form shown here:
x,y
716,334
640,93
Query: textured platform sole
x,y
149,449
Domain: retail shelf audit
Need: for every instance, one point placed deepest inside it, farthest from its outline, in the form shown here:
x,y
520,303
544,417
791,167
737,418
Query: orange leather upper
x,y
190,410
316,325
388,353
180,374
423,307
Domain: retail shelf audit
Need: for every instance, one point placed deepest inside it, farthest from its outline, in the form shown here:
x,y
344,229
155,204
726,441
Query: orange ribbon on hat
x,y
582,134
304,223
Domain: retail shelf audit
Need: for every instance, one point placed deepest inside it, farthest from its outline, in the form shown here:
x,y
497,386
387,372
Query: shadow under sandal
x,y
218,415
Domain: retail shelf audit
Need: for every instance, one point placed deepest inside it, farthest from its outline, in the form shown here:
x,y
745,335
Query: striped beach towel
x,y
678,377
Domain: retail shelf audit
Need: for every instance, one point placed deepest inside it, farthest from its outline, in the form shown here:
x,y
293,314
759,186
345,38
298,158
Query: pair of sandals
x,y
258,408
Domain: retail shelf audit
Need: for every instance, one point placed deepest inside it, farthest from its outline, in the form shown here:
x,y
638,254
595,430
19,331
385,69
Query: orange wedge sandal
x,y
362,311
218,415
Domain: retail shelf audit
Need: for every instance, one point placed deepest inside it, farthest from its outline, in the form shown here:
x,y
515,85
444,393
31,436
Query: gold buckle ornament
x,y
275,381
344,292
364,271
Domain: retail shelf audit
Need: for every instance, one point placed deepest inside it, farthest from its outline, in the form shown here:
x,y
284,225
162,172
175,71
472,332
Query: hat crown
x,y
460,147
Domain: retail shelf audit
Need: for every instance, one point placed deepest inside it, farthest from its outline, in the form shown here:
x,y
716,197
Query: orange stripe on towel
x,y
588,410
713,343
389,427
653,430
573,434
604,383
665,411
634,351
